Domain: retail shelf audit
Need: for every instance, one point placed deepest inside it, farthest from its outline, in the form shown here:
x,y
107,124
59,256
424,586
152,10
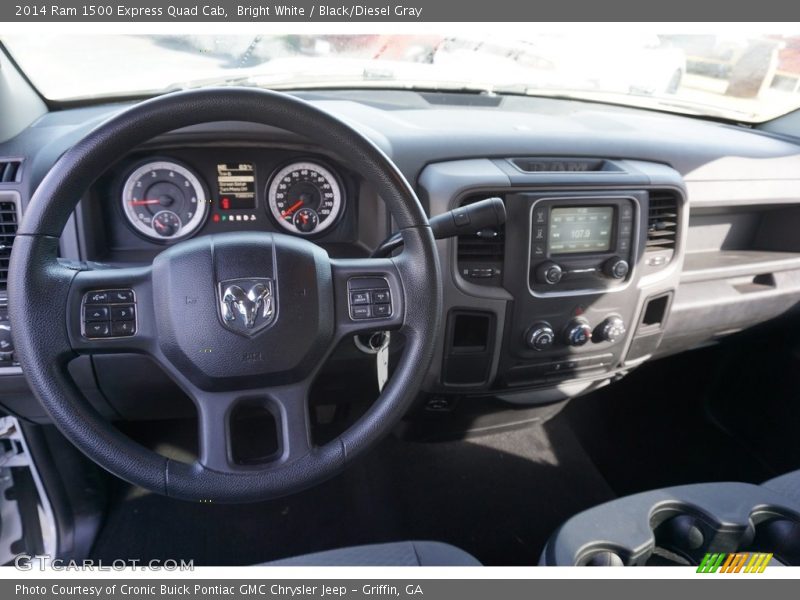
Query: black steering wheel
x,y
232,318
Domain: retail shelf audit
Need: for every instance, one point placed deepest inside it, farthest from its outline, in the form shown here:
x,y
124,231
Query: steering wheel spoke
x,y
111,310
220,438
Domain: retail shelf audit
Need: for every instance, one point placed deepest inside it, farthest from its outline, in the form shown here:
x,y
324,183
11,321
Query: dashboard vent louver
x,y
480,255
10,170
662,221
8,231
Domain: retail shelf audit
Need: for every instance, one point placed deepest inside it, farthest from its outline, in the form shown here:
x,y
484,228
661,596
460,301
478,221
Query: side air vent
x,y
662,221
10,170
8,230
480,255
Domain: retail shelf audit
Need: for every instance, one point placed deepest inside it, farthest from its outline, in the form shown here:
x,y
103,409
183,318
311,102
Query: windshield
x,y
742,78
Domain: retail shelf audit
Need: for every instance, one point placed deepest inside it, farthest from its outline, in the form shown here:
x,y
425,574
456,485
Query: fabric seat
x,y
396,554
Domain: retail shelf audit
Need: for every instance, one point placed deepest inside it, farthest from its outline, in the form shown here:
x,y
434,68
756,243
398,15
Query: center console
x,y
683,525
575,288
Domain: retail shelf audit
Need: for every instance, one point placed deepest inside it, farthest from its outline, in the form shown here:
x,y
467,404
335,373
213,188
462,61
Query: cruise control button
x,y
97,330
96,313
381,310
381,297
97,298
122,328
120,296
359,298
123,313
361,312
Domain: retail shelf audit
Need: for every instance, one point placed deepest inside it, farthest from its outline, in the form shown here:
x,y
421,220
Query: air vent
x,y
10,170
8,230
480,255
662,221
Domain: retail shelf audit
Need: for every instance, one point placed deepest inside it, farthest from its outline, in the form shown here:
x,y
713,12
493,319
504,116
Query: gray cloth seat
x,y
788,485
395,554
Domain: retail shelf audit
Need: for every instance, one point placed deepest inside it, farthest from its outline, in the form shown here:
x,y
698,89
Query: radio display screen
x,y
580,229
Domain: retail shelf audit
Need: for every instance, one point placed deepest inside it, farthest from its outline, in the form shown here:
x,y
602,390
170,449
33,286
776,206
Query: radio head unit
x,y
581,243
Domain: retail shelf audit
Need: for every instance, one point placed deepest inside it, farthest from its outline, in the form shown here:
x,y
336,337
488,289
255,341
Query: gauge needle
x,y
292,208
144,202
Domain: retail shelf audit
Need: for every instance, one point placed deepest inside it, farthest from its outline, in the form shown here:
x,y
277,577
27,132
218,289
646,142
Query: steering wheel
x,y
288,304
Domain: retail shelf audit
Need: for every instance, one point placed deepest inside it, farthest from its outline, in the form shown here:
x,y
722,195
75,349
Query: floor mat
x,y
498,496
652,429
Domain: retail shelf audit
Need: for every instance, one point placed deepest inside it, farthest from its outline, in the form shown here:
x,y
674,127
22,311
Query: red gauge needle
x,y
144,202
292,208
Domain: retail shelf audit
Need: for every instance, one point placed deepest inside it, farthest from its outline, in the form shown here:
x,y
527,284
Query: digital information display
x,y
237,186
580,229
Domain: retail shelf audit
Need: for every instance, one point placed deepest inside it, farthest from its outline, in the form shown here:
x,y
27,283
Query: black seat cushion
x,y
396,554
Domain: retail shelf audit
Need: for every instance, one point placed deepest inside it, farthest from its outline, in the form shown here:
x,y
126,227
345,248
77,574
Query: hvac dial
x,y
305,197
164,200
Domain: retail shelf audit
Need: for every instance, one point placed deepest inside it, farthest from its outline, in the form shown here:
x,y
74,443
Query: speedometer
x,y
164,200
305,197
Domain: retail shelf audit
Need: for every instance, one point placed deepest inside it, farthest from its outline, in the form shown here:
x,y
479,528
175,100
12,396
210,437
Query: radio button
x,y
549,273
616,268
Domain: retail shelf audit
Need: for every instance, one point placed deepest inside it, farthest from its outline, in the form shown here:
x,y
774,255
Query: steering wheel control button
x,y
381,297
381,310
360,298
96,298
577,333
123,313
369,297
361,312
98,330
109,314
540,336
96,313
120,296
123,328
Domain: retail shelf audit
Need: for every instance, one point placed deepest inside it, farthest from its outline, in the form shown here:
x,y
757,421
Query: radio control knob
x,y
616,268
577,333
540,336
549,272
612,329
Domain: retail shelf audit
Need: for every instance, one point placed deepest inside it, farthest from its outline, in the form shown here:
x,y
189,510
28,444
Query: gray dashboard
x,y
733,260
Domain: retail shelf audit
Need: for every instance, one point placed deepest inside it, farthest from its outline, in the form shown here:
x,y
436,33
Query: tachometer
x,y
164,200
305,197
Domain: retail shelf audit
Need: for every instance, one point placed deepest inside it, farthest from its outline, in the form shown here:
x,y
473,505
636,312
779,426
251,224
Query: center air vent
x,y
10,170
662,221
480,255
8,230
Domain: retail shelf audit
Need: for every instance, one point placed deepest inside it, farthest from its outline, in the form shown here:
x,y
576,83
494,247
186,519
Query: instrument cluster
x,y
167,199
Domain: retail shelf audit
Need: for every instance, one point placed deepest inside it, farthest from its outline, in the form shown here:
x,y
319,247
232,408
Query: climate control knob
x,y
540,336
577,333
549,272
616,268
612,329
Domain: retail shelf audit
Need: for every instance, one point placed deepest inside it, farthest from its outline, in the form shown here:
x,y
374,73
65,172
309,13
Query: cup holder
x,y
777,533
683,536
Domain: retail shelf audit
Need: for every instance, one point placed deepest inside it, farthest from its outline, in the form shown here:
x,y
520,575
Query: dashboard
x,y
629,235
